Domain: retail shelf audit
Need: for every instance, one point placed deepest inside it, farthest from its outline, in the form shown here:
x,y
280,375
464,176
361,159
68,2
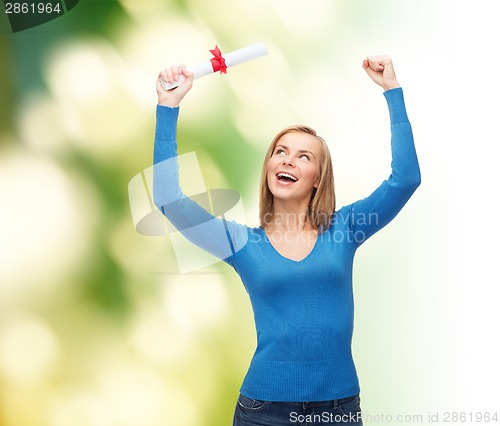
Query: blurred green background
x,y
97,325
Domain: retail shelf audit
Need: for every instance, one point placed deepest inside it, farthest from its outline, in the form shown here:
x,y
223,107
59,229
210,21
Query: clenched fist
x,y
173,97
381,71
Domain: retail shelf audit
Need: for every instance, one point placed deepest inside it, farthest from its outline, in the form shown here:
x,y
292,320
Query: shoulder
x,y
342,214
341,218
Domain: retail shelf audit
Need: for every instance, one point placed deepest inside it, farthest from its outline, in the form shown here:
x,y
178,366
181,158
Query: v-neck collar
x,y
275,250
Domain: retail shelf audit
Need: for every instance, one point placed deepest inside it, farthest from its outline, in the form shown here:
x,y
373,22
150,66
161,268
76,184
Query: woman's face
x,y
293,169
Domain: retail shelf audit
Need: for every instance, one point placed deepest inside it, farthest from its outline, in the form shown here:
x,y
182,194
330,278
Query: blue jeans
x,y
253,412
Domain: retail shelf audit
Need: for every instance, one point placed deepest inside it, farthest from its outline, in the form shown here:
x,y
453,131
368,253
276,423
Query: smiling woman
x,y
300,152
297,266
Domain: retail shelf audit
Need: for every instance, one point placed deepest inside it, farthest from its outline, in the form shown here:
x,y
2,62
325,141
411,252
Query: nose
x,y
288,160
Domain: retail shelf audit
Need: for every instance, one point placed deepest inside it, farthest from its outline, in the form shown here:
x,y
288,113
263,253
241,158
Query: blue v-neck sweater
x,y
303,310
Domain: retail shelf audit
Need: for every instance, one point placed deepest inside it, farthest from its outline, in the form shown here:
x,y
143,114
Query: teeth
x,y
288,176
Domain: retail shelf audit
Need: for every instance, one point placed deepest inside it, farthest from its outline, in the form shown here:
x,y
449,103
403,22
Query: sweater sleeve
x,y
217,236
371,214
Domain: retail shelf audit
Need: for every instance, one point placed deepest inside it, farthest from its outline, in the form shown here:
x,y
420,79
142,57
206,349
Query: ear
x,y
316,182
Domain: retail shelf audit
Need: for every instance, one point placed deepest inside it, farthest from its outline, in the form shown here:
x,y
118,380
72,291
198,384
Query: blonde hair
x,y
322,204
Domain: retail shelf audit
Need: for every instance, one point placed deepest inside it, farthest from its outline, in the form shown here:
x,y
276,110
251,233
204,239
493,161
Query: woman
x,y
297,266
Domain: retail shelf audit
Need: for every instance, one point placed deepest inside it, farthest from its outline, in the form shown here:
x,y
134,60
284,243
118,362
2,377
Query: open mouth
x,y
286,178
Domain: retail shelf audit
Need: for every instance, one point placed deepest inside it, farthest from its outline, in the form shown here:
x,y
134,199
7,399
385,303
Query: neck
x,y
290,216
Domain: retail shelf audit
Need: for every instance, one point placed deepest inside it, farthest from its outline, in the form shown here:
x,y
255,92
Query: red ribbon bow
x,y
218,62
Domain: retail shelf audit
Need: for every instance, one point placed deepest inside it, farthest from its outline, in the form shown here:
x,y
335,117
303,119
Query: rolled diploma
x,y
232,58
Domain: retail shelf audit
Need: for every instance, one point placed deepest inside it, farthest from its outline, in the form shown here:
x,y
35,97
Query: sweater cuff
x,y
396,104
166,122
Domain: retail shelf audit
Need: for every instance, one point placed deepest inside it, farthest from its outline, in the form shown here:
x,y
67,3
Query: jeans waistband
x,y
330,403
333,402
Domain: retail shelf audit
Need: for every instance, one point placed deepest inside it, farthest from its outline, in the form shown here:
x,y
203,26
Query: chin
x,y
288,195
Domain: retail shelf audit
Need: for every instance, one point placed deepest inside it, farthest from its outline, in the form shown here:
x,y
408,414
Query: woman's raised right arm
x,y
217,236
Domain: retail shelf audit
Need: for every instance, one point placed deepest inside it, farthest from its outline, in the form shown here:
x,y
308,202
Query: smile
x,y
286,178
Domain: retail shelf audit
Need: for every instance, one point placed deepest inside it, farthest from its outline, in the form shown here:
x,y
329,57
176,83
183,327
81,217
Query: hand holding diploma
x,y
173,97
177,75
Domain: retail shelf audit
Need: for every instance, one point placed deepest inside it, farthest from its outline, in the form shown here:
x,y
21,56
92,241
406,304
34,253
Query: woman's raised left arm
x,y
372,213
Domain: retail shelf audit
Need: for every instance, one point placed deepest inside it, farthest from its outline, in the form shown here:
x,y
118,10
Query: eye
x,y
305,156
279,151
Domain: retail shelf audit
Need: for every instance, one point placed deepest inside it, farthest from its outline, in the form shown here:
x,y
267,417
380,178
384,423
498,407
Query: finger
x,y
376,65
379,62
185,72
379,58
188,74
369,68
370,64
175,72
389,67
168,75
163,75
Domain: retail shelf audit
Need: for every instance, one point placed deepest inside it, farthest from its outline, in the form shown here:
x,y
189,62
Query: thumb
x,y
189,75
389,70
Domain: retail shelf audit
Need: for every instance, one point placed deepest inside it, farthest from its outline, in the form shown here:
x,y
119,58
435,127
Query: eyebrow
x,y
300,150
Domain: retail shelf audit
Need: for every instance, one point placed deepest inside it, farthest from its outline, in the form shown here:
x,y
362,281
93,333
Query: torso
x,y
303,311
